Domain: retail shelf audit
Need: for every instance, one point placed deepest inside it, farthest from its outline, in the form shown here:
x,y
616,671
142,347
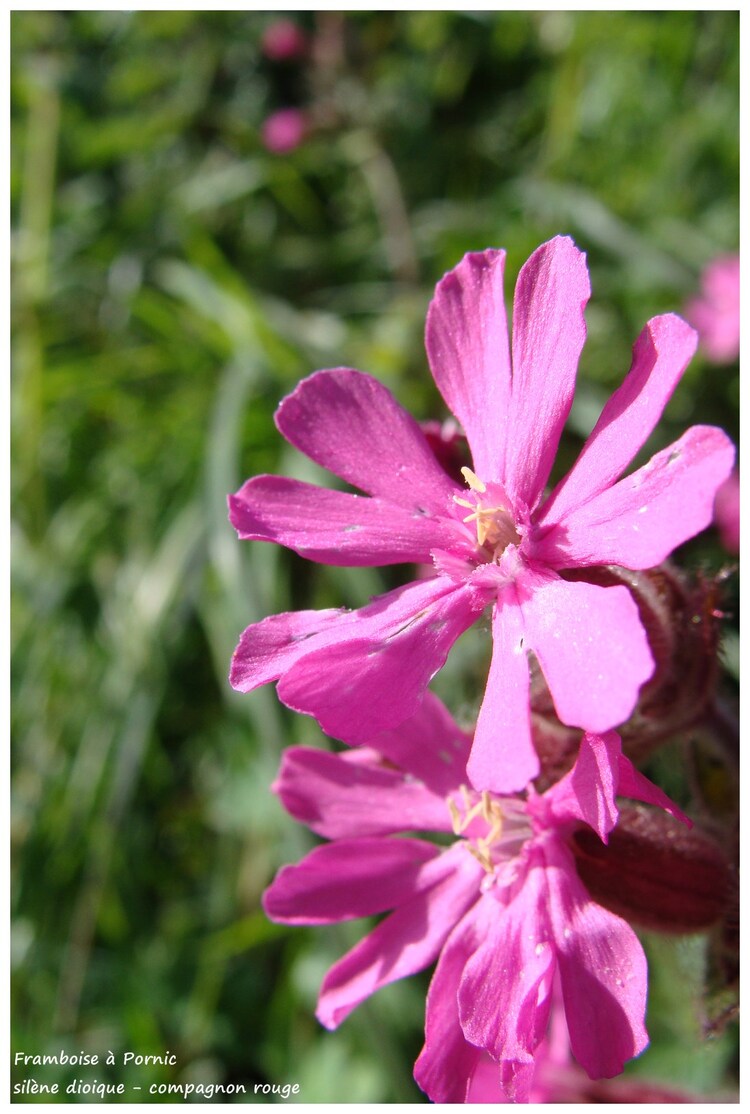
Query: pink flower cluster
x,y
286,128
502,909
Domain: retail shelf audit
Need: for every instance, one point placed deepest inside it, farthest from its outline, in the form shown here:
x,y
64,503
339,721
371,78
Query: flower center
x,y
488,808
494,828
495,526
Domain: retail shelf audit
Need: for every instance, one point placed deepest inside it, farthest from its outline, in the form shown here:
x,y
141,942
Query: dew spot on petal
x,y
294,638
351,529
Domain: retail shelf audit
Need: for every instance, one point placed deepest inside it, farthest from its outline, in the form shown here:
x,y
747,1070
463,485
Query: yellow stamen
x,y
493,815
480,854
490,812
494,525
487,525
461,822
473,480
455,816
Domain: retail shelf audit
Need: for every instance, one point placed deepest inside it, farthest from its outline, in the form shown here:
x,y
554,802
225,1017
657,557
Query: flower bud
x,y
284,130
283,41
656,873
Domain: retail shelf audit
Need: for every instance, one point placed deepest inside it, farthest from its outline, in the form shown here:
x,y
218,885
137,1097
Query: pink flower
x,y
501,909
284,130
716,312
500,540
283,41
727,513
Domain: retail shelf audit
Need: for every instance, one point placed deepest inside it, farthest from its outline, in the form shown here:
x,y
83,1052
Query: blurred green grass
x,y
172,281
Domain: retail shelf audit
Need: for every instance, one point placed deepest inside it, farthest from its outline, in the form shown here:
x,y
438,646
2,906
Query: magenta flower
x,y
715,313
500,540
284,130
502,909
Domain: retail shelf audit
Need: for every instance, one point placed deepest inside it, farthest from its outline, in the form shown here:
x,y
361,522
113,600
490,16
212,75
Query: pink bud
x,y
283,41
284,130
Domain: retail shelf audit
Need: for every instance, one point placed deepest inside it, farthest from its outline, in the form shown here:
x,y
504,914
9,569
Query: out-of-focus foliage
x,y
173,279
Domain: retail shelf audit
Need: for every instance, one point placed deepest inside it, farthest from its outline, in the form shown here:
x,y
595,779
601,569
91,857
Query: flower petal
x,y
486,1082
602,971
336,527
447,1064
503,758
588,791
638,522
375,678
351,424
347,879
466,336
268,648
660,356
591,646
637,786
548,334
504,996
354,794
406,941
429,745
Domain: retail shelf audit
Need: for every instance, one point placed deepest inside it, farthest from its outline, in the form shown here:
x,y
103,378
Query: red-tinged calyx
x,y
655,872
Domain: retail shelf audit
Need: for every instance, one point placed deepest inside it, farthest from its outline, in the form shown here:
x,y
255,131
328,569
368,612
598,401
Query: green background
x,y
172,281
